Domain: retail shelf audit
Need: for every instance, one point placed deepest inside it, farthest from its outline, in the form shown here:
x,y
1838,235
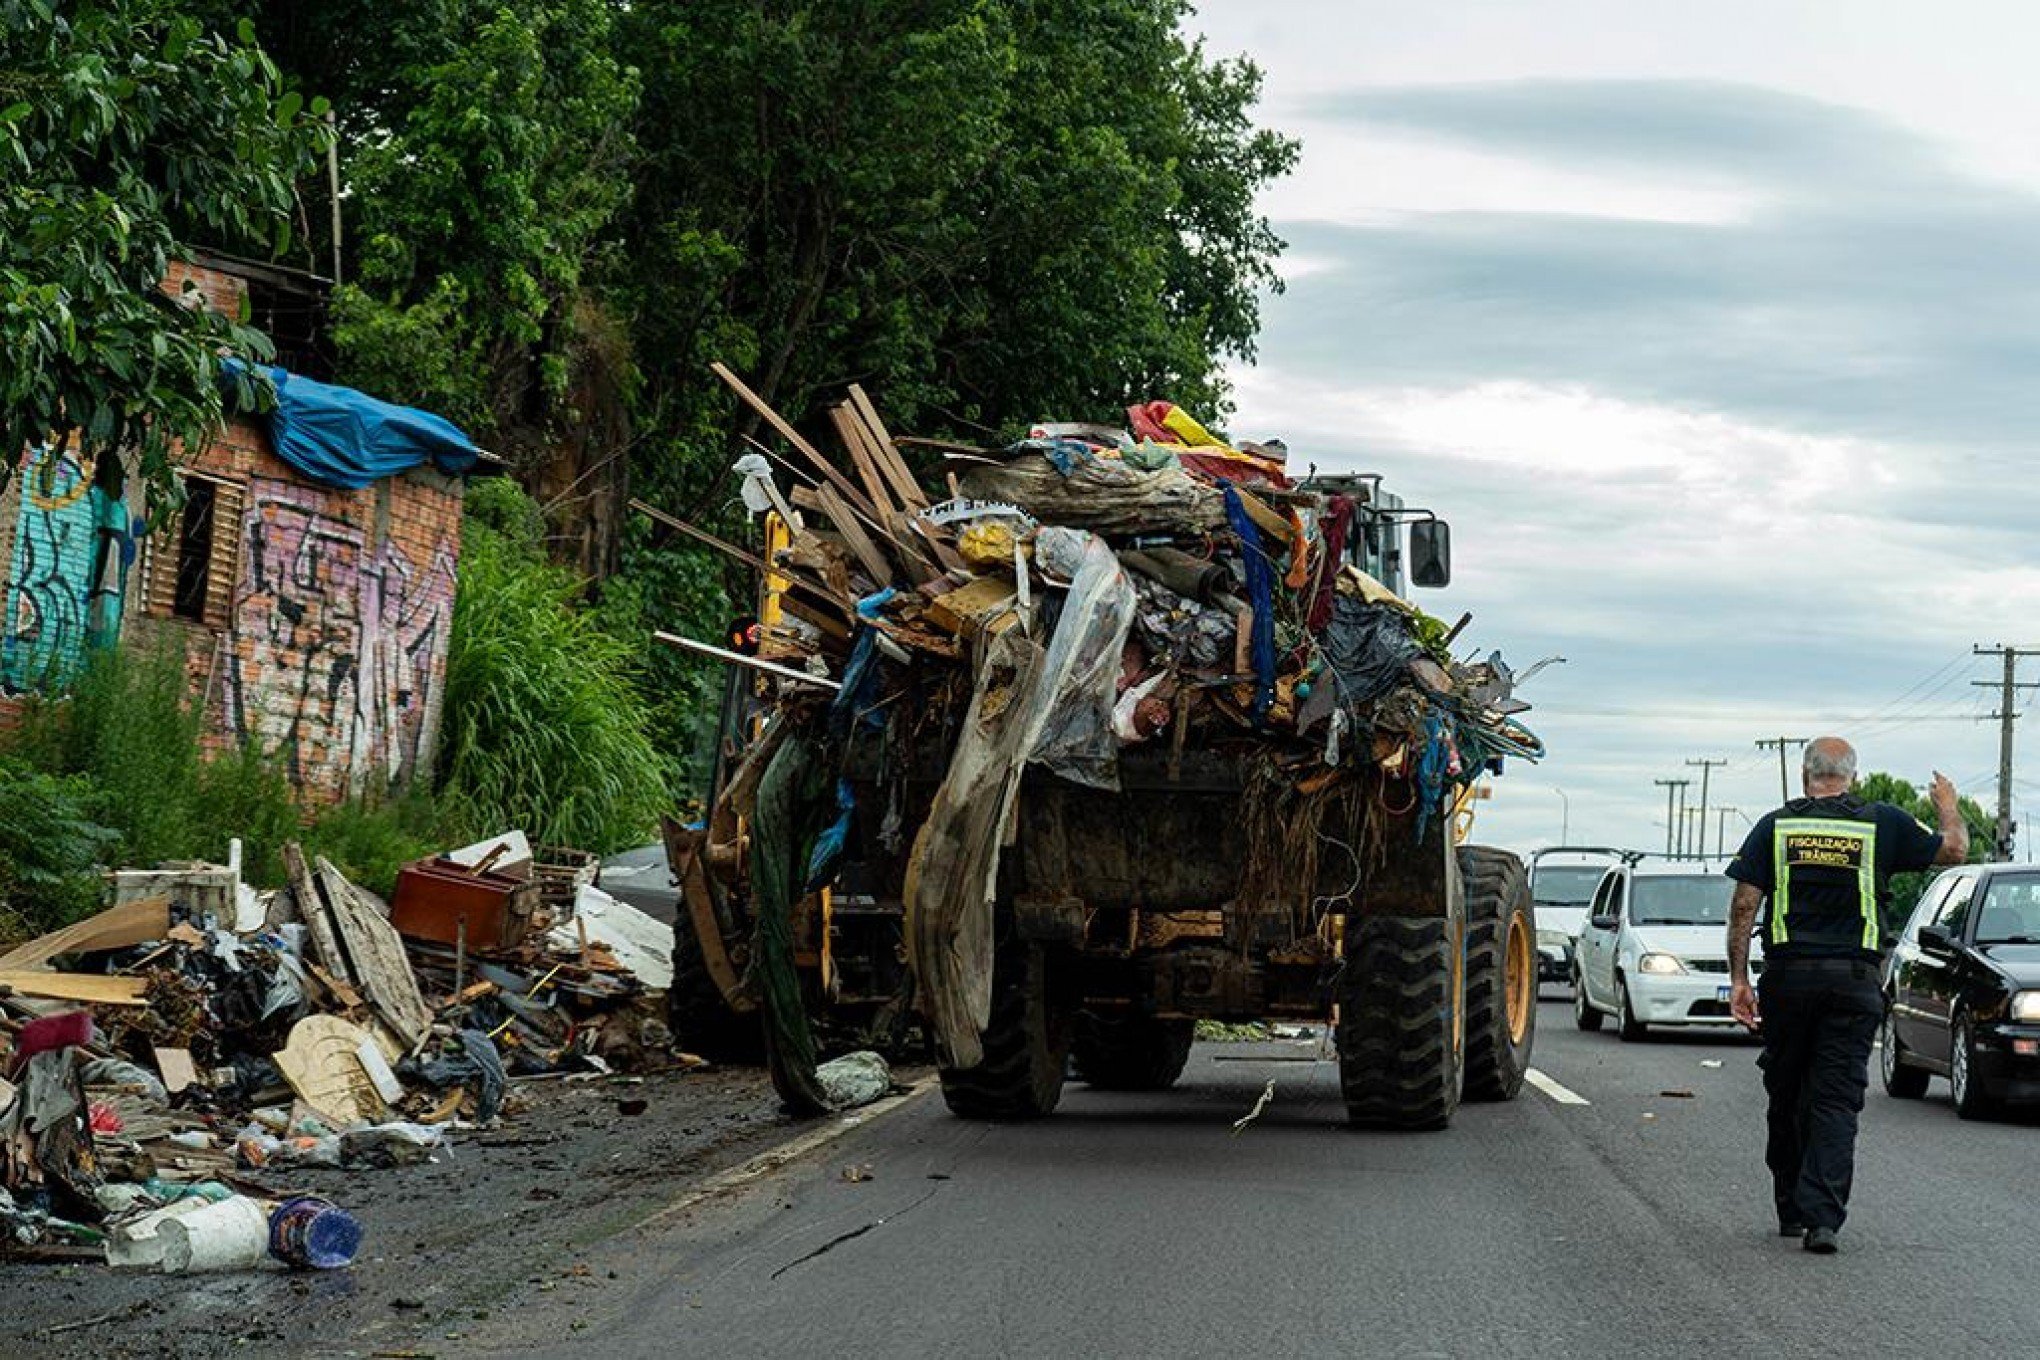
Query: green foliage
x,y
483,200
543,726
1877,787
127,129
49,847
124,754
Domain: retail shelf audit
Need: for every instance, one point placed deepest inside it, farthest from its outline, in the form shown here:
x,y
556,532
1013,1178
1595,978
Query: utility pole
x,y
1784,788
1706,768
1689,817
1671,788
2006,715
1721,829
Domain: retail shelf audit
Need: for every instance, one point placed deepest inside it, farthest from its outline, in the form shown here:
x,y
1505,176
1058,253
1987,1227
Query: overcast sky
x,y
1714,331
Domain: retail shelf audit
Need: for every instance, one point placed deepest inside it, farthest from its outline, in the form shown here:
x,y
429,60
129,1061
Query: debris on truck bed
x,y
225,1036
1081,593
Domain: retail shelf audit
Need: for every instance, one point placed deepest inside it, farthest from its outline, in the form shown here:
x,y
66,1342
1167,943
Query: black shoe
x,y
1821,1241
1787,1228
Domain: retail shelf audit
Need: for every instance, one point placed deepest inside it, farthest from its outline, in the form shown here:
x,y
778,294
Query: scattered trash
x,y
1710,1062
858,1174
1676,1095
310,1233
1259,1105
232,1234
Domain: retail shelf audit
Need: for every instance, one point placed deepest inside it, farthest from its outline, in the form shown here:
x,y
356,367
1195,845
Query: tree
x,y
1878,787
128,131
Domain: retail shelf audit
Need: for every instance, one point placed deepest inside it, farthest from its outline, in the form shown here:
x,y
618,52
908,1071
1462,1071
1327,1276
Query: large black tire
x,y
1130,1053
1584,1013
1971,1101
1400,1008
1026,1045
1901,1080
1501,972
701,1020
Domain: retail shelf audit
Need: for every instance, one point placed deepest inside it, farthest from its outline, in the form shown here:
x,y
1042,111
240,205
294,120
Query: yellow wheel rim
x,y
1519,974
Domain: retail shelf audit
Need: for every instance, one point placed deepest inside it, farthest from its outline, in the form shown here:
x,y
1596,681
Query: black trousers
x,y
1820,1017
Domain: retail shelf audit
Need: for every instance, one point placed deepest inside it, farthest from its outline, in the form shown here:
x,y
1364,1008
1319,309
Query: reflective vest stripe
x,y
1864,852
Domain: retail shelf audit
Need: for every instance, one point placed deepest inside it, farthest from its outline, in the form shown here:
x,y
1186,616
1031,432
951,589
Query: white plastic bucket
x,y
230,1235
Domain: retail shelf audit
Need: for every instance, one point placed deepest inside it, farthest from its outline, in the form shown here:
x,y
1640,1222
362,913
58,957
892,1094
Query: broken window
x,y
194,553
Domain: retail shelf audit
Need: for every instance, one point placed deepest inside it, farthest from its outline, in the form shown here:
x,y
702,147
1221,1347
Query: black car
x,y
1962,990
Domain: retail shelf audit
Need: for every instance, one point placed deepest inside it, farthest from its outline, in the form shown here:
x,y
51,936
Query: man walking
x,y
1819,868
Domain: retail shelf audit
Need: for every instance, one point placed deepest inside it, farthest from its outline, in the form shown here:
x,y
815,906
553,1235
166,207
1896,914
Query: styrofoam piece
x,y
641,943
517,858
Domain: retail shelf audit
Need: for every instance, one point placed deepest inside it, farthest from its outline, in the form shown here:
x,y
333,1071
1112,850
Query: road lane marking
x,y
1551,1088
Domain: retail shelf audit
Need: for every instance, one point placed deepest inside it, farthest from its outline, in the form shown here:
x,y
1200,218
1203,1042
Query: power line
x,y
1784,789
1706,767
1671,787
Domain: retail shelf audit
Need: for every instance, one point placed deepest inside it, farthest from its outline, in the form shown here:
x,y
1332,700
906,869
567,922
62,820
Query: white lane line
x,y
1561,1094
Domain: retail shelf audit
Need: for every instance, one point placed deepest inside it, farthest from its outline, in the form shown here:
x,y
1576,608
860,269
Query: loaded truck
x,y
1241,863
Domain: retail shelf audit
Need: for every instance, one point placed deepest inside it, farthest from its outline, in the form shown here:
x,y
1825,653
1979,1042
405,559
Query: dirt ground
x,y
499,1214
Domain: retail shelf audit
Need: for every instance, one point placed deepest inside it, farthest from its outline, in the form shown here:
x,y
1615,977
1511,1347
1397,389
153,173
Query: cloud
x,y
1869,286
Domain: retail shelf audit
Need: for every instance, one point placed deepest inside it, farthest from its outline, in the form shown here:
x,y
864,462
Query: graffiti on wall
x,y
339,646
62,592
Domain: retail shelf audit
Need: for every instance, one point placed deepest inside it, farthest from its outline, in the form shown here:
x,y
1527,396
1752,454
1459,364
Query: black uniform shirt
x,y
1903,845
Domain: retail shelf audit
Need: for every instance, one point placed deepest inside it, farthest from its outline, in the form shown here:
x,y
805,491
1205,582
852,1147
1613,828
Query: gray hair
x,y
1828,759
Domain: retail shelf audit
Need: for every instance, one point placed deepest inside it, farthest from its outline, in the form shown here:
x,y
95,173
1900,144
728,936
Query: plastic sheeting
x,y
1083,660
339,437
1100,494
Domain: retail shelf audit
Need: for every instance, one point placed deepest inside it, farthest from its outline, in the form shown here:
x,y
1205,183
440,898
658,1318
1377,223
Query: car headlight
x,y
1659,963
2026,1006
1555,939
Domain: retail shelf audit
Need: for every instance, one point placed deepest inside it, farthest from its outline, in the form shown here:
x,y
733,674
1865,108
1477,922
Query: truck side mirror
x,y
1431,553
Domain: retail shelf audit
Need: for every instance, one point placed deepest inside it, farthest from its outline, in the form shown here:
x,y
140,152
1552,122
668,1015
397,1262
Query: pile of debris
x,y
1082,592
155,1055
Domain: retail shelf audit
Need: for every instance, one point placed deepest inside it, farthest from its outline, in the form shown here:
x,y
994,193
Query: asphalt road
x,y
1636,1223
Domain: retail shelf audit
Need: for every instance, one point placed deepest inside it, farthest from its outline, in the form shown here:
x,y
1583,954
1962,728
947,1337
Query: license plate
x,y
1721,993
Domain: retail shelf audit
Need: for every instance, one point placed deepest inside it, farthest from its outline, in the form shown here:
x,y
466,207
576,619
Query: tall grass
x,y
543,727
50,847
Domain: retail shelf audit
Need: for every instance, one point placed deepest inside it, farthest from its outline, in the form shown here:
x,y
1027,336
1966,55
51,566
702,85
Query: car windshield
x,y
2010,910
1566,885
1679,900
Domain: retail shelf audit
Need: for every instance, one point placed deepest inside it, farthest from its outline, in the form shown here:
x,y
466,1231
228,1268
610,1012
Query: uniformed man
x,y
1818,867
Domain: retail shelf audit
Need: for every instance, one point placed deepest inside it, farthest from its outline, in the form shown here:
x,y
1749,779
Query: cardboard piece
x,y
92,988
130,923
322,1063
177,1068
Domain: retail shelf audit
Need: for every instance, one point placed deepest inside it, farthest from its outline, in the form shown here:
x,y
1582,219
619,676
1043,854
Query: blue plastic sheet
x,y
339,437
1261,595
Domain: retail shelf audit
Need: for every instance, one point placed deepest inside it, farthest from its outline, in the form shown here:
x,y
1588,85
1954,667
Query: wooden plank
x,y
815,618
854,538
318,918
130,923
790,435
92,988
750,559
898,475
851,432
376,953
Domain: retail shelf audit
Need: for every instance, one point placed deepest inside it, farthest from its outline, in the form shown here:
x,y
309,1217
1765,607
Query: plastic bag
x,y
1082,665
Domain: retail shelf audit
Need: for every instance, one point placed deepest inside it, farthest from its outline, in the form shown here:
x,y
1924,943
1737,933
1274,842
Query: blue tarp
x,y
340,437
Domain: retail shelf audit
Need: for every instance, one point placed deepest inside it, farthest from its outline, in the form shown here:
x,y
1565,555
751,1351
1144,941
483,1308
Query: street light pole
x,y
1565,816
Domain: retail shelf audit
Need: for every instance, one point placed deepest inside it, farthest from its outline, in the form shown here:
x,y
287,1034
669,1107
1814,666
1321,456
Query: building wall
x,y
327,646
61,548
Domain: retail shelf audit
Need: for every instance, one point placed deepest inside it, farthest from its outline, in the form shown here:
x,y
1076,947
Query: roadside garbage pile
x,y
155,1056
1082,594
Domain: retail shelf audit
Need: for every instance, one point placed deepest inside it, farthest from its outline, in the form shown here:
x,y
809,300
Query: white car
x,y
1654,950
1562,883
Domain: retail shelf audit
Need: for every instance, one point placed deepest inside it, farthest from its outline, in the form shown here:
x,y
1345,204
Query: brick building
x,y
314,619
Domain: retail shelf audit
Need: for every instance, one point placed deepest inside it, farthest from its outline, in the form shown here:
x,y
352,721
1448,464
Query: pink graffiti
x,y
341,649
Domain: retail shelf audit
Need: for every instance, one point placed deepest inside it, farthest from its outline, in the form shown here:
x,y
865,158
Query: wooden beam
x,y
851,432
92,988
131,923
729,549
792,436
739,659
853,535
897,473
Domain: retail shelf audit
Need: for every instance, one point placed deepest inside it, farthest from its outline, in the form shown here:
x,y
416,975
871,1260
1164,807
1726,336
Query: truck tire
x,y
701,1020
1400,1006
1501,972
1130,1053
1026,1044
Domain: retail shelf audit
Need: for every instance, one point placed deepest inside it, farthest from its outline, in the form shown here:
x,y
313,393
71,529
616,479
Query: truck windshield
x,y
1566,886
1680,900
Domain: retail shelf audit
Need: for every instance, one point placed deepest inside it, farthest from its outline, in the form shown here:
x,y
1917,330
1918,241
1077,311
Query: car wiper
x,y
2014,939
